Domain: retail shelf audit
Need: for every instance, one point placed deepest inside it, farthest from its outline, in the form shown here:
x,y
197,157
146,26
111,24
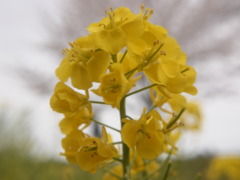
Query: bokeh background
x,y
33,33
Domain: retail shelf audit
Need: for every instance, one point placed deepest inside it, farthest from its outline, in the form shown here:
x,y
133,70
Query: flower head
x,y
66,100
95,151
83,63
113,32
114,85
71,144
144,135
74,120
173,77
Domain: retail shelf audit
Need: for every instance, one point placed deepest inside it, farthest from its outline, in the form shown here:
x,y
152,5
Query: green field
x,y
17,165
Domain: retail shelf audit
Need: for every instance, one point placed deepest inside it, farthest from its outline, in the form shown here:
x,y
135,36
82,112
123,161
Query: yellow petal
x,y
129,132
111,40
80,77
64,70
134,28
150,147
98,65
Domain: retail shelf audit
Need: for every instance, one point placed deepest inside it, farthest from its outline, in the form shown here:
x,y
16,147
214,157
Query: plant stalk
x,y
125,149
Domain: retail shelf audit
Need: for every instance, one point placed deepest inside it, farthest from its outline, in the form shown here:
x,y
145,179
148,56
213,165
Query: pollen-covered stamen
x,y
184,70
91,148
162,52
153,48
94,154
75,55
71,44
148,119
146,13
142,8
111,16
144,132
112,89
175,126
156,42
94,142
65,51
102,25
151,54
112,79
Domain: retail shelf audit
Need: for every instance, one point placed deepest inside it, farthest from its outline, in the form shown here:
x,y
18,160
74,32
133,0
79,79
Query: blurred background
x,y
33,34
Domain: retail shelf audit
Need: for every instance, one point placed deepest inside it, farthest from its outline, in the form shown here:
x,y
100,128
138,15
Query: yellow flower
x,y
112,32
128,63
71,144
172,138
171,50
144,47
144,135
114,85
83,63
95,151
66,100
174,77
227,167
74,120
177,102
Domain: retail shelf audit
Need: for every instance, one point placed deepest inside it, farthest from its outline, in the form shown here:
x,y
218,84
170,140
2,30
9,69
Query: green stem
x,y
125,149
105,125
142,89
175,119
129,73
153,173
98,102
119,142
125,53
114,58
167,171
117,159
129,117
184,70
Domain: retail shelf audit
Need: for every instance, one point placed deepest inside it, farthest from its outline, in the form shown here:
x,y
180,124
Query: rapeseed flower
x,y
94,151
114,85
144,135
83,64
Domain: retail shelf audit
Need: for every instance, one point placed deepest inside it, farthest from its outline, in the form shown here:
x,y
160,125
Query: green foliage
x,y
16,165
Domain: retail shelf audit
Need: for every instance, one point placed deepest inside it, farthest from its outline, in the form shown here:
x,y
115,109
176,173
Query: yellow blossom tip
x,y
151,12
142,8
71,44
147,13
110,13
156,42
144,110
65,51
162,52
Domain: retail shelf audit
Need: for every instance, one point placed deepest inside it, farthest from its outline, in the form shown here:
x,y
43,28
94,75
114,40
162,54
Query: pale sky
x,y
22,33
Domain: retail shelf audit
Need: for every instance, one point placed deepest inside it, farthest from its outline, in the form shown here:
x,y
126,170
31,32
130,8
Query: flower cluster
x,y
119,50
